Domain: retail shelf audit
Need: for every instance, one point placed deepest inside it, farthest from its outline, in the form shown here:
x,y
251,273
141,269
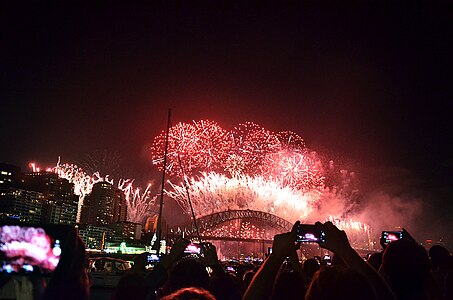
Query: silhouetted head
x,y
189,273
441,259
407,268
140,262
132,286
226,287
70,280
310,267
289,285
191,293
338,261
339,283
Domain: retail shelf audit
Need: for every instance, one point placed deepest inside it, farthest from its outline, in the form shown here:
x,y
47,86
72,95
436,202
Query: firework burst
x,y
294,168
140,203
252,143
358,233
83,183
259,170
199,146
213,192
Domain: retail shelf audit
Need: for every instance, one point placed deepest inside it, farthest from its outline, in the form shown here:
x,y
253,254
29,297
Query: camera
x,y
327,260
31,249
152,258
391,236
193,248
230,269
308,233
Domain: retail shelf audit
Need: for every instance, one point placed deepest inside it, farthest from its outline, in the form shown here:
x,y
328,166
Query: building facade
x,y
104,205
21,205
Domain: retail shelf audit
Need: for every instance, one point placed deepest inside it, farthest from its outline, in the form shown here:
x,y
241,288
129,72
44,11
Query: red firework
x,y
251,145
181,142
294,168
250,149
289,139
200,146
213,145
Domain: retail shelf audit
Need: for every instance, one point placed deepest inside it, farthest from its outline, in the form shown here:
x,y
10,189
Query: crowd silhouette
x,y
402,270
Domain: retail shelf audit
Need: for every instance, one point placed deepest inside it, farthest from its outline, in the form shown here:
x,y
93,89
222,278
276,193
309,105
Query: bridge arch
x,y
209,221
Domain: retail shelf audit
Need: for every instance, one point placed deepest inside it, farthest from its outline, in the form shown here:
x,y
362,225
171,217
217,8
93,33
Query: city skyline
x,y
367,86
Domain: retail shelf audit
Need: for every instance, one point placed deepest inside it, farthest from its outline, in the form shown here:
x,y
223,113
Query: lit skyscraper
x,y
105,205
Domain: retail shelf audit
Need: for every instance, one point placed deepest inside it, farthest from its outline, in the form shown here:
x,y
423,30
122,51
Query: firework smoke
x,y
102,162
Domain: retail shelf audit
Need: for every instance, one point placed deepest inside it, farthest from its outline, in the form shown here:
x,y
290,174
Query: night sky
x,y
370,85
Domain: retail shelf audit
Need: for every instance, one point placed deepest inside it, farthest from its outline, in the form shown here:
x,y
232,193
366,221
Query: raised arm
x,y
159,274
263,281
337,242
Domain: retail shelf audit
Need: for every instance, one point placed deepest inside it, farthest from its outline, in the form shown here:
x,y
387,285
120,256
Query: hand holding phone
x,y
334,239
29,249
285,243
390,236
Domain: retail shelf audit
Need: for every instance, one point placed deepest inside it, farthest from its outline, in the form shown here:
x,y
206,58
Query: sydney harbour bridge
x,y
245,232
234,232
214,220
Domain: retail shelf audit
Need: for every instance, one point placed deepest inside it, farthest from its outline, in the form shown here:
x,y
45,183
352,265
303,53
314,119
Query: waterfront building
x,y
104,206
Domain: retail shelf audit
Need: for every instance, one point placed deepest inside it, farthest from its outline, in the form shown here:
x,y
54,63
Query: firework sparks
x,y
139,204
201,146
102,162
213,192
239,229
83,183
248,167
290,139
181,141
259,170
358,233
294,168
252,143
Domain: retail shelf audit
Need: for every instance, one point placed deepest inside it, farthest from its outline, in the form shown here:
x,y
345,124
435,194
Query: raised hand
x,y
176,252
336,240
284,244
210,254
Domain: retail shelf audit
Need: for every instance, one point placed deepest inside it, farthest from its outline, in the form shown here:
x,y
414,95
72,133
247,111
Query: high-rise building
x,y
22,205
105,205
120,209
16,201
60,204
95,237
128,230
9,176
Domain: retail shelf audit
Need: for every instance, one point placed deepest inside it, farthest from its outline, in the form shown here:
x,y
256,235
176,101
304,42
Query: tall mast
x,y
188,198
161,204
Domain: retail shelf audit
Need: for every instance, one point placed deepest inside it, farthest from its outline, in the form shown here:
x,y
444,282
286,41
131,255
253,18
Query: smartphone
x,y
31,249
309,233
327,260
193,248
230,269
152,258
391,236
